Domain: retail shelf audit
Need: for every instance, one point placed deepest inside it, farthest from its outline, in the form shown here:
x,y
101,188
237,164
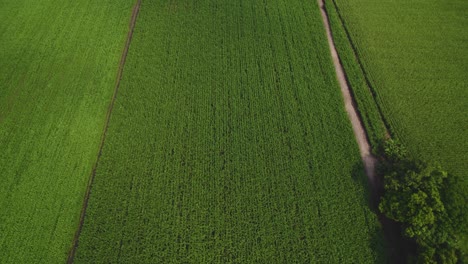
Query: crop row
x,y
229,142
414,57
58,63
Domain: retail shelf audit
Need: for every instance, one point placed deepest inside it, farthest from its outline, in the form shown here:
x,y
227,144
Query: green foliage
x,y
229,143
412,197
394,151
58,63
455,199
422,197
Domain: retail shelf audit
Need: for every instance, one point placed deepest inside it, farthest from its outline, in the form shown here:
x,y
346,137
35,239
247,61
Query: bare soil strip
x,y
363,71
361,136
136,8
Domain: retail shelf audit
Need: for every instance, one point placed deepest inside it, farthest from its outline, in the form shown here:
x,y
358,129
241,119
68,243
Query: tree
x,y
413,197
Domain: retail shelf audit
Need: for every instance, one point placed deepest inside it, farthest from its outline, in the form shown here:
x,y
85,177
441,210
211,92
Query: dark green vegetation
x,y
229,143
58,63
430,205
413,57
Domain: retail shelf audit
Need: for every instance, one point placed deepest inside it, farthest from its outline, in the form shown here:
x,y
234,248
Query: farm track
x,y
133,18
385,121
368,159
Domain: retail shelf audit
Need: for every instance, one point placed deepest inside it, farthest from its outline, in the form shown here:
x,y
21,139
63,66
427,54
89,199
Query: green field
x,y
58,65
360,88
415,57
229,142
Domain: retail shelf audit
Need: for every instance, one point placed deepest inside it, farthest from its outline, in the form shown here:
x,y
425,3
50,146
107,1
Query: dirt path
x,y
136,8
364,147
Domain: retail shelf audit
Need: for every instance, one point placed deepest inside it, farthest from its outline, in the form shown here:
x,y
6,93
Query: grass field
x,y
229,142
415,58
414,55
58,64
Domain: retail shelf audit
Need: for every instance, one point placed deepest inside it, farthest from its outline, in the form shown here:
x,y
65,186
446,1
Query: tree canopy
x,y
427,201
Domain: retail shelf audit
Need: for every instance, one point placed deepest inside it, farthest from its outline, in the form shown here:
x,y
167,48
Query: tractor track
x,y
360,133
135,10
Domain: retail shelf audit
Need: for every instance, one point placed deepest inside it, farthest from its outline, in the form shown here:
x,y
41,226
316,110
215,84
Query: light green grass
x,y
229,143
58,64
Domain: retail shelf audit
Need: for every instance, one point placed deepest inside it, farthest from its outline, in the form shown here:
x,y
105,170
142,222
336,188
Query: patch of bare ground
x,y
368,159
391,229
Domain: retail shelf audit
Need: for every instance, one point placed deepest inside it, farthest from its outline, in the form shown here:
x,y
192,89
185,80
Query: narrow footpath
x,y
368,159
131,26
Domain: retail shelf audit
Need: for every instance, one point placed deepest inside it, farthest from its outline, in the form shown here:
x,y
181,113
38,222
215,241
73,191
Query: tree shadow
x,y
386,240
370,194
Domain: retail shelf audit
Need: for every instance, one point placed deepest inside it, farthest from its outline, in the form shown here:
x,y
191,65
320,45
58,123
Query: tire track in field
x,y
368,159
391,229
135,10
373,93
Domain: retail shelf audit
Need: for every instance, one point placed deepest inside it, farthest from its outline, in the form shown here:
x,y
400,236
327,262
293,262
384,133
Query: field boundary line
x,y
370,87
135,10
368,159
